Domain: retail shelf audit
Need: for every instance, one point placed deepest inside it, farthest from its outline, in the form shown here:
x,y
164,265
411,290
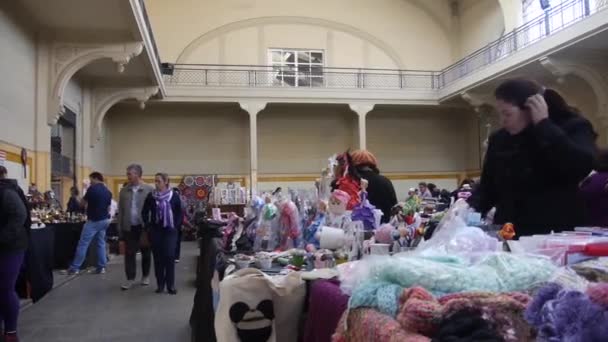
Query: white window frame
x,y
299,75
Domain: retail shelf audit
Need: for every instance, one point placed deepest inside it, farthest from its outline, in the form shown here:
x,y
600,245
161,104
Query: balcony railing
x,y
552,21
207,75
254,76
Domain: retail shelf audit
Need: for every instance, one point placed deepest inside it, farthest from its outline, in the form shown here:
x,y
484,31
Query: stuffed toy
x,y
364,211
267,231
347,179
289,225
337,216
310,238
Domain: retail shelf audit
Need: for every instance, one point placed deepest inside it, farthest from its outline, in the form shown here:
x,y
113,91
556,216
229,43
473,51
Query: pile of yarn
x,y
561,314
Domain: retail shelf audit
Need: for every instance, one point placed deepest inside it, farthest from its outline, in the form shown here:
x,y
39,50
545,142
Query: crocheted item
x,y
563,315
599,294
593,270
467,325
421,313
381,296
367,325
499,272
384,234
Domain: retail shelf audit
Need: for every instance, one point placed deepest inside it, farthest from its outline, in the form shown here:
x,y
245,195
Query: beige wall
x,y
360,33
421,140
178,139
481,22
18,85
300,139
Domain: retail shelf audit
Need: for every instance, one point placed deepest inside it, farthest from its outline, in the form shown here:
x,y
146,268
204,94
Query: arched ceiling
x,y
437,10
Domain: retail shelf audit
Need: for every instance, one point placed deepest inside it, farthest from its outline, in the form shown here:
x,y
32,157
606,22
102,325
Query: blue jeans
x,y
93,231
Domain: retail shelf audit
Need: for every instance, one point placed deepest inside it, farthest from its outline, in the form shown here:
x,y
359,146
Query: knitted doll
x,y
364,211
347,179
337,216
311,241
403,240
266,234
289,225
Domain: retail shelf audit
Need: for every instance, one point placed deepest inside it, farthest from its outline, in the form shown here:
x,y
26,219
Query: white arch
x,y
105,98
253,22
67,58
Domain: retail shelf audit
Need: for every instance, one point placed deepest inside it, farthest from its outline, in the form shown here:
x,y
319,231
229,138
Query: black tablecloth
x,y
67,236
39,262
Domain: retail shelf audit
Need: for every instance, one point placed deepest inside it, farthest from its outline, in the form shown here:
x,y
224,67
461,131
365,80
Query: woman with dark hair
x,y
535,162
162,215
74,205
594,191
380,190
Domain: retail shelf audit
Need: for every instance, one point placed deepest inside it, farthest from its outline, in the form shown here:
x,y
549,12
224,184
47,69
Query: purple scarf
x,y
164,212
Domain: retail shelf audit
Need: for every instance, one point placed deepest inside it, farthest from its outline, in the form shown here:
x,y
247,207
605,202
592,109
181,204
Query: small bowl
x,y
240,264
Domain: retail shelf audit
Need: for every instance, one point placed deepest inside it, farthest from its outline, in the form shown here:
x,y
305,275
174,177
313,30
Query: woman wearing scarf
x,y
162,216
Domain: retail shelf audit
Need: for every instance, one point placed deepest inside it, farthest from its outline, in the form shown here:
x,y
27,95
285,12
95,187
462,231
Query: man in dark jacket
x,y
14,227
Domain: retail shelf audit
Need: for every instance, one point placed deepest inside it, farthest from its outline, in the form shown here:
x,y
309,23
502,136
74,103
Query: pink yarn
x,y
599,294
341,196
384,234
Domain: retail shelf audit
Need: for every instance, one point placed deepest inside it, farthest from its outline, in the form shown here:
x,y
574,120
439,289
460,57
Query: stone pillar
x,y
253,108
362,109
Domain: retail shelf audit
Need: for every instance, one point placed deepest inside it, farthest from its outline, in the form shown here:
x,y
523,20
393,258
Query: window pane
x,y
304,69
289,57
276,56
289,80
316,57
317,71
303,81
304,57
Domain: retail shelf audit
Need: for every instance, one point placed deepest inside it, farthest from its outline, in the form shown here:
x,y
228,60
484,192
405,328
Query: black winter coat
x,y
532,178
15,218
380,191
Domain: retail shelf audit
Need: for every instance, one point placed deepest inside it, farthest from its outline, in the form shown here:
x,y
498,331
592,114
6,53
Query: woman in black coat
x,y
535,162
162,216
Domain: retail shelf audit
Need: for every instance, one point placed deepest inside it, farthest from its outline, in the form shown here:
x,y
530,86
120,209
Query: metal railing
x,y
238,76
208,75
552,21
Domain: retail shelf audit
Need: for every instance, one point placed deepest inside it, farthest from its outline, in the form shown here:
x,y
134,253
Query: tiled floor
x,y
92,308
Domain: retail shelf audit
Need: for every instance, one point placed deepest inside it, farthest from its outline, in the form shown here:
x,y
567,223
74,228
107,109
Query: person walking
x,y
162,216
97,202
14,226
130,225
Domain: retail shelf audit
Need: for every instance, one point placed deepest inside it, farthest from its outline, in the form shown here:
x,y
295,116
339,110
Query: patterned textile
x,y
368,325
381,296
194,193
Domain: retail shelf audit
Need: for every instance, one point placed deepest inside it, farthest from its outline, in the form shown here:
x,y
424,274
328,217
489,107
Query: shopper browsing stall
x,y
162,216
14,225
380,190
594,191
535,162
97,202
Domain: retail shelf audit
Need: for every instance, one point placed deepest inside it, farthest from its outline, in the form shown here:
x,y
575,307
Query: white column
x,y
362,109
253,108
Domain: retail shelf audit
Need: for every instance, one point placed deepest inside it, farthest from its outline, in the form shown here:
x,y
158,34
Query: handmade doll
x,y
266,234
337,216
347,179
289,224
311,241
364,211
403,240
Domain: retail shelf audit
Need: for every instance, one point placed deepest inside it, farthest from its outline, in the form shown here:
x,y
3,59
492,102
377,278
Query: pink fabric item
x,y
367,325
599,294
327,303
